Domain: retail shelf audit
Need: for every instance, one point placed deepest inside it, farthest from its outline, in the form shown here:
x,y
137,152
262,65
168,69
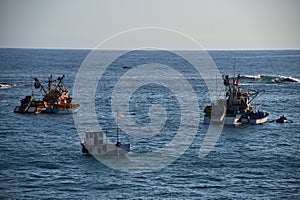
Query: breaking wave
x,y
271,78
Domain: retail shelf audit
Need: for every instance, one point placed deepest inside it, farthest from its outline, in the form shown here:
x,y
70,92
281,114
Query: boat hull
x,y
232,120
256,118
44,110
255,121
106,149
227,120
236,120
29,105
63,111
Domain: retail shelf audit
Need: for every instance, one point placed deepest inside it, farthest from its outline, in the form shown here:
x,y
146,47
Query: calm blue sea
x,y
40,155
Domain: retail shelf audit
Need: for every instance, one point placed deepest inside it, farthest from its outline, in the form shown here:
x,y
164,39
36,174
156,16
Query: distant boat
x,y
126,67
237,108
56,99
6,85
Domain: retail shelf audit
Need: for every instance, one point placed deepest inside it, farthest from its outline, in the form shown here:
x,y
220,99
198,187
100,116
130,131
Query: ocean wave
x,y
6,85
271,78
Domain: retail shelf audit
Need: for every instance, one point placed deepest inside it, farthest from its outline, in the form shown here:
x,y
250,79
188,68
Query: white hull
x,y
227,120
255,121
232,120
108,149
94,144
236,121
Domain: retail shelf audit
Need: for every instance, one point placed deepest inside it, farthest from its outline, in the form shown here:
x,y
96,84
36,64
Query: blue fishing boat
x,y
238,108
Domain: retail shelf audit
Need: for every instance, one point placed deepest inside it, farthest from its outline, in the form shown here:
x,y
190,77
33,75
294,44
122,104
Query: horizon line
x,y
127,49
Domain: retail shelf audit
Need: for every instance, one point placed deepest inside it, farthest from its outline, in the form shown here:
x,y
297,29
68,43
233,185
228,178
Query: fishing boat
x,y
238,108
56,99
95,143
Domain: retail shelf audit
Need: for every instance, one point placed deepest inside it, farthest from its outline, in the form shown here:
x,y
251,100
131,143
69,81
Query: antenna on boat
x,y
118,142
233,68
31,84
216,87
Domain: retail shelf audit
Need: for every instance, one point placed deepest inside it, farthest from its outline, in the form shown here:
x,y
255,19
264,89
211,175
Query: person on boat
x,y
226,80
235,82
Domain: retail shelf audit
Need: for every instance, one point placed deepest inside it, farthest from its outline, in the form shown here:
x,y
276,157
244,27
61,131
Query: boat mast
x,y
233,68
49,83
118,143
60,83
37,84
118,134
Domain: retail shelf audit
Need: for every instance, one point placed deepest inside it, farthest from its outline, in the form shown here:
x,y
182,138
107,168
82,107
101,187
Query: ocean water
x,y
41,155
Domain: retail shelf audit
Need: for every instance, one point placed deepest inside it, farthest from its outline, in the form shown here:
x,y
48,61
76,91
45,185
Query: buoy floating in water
x,y
282,119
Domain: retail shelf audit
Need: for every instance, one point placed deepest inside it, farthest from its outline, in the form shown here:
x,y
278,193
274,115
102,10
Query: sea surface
x,y
40,154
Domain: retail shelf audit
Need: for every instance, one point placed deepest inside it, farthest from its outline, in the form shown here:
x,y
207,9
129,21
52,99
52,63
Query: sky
x,y
215,24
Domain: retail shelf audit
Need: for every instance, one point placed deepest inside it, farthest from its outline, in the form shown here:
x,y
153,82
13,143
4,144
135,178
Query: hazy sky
x,y
216,24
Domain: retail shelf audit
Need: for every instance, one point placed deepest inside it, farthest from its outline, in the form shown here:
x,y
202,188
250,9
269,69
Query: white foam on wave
x,y
6,85
252,76
292,79
273,78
